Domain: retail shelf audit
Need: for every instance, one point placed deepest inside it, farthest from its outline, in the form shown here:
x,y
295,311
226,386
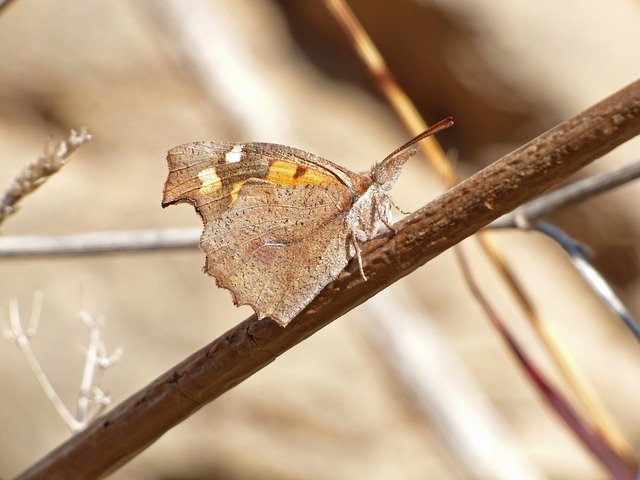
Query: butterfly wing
x,y
210,174
277,247
274,217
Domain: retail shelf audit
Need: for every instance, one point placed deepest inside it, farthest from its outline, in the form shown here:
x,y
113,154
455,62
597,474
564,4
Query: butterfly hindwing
x,y
282,246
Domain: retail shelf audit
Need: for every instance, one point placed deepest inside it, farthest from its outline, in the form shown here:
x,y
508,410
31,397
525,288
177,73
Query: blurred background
x,y
145,76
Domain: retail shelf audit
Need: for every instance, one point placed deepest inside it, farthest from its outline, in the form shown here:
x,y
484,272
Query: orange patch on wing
x,y
235,188
289,174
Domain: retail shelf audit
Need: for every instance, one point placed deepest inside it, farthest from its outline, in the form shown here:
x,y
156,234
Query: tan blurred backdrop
x,y
282,71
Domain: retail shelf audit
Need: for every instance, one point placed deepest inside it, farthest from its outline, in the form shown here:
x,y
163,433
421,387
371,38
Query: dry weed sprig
x,y
92,400
53,158
411,118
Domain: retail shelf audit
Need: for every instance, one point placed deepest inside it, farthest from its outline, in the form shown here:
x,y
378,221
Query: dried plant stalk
x,y
34,175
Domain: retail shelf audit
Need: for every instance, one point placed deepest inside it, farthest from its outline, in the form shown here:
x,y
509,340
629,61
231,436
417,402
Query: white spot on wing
x,y
235,154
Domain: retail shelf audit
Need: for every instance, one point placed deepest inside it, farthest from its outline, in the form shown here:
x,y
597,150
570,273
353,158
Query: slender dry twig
x,y
397,98
580,256
29,246
34,175
92,400
568,195
253,344
410,116
616,466
559,353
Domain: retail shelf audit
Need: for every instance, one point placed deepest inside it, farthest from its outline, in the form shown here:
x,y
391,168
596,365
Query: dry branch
x,y
568,195
35,174
92,243
521,175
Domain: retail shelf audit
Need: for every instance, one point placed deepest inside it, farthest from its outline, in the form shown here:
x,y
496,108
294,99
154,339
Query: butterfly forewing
x,y
210,174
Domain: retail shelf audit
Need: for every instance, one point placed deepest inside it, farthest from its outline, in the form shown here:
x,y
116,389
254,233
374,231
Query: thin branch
x,y
580,259
92,400
615,465
30,246
568,195
397,98
248,347
559,353
17,335
34,175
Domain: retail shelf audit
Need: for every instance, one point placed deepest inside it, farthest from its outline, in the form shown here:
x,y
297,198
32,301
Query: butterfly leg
x,y
394,205
388,225
383,205
358,250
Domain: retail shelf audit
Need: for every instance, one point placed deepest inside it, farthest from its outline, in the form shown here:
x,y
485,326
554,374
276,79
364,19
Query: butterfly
x,y
281,223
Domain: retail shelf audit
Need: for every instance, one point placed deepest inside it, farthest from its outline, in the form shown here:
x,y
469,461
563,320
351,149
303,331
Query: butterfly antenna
x,y
433,129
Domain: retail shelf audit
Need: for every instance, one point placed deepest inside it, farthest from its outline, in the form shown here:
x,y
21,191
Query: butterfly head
x,y
386,172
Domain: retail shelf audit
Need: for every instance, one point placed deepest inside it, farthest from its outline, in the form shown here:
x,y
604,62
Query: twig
x,y
560,354
15,333
115,438
29,246
580,257
564,196
92,400
34,175
615,465
397,98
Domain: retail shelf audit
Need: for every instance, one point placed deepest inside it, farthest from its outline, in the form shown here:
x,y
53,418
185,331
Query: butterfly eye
x,y
379,175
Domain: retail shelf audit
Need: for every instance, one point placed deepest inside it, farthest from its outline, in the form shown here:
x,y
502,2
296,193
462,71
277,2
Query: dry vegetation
x,y
336,406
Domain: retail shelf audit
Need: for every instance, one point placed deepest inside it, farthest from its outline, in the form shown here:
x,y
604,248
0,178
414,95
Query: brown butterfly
x,y
281,223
